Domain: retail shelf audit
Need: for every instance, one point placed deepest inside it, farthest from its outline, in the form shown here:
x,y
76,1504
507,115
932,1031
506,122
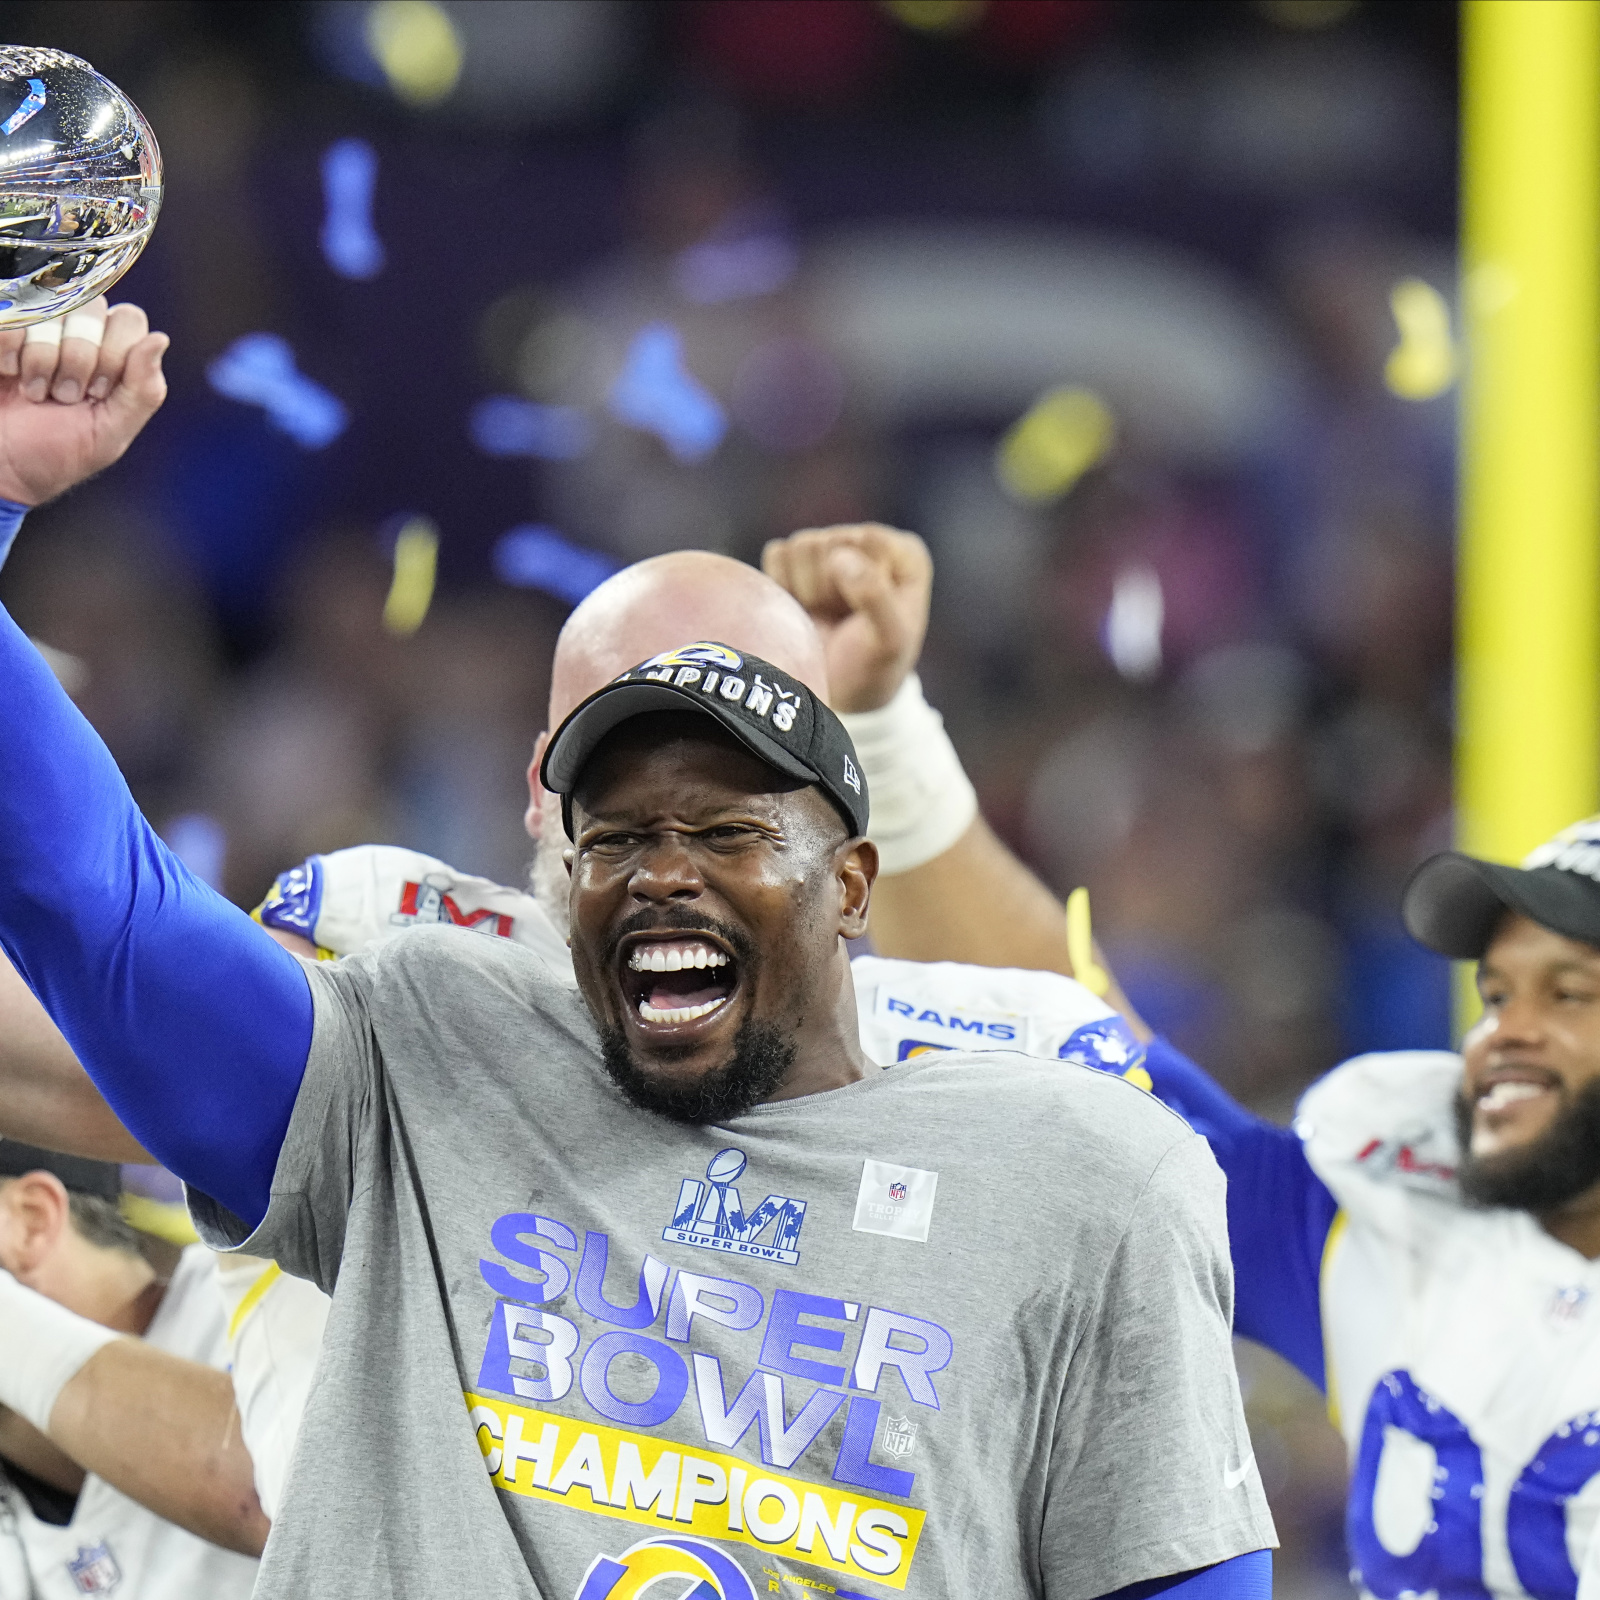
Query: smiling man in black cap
x,y
660,1277
704,770
1528,1109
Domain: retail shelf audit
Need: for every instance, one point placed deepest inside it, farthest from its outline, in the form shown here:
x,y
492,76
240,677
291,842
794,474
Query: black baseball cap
x,y
1452,902
772,714
99,1178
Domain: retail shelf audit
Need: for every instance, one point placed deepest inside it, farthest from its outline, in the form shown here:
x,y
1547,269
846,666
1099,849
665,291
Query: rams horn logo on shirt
x,y
696,655
630,1575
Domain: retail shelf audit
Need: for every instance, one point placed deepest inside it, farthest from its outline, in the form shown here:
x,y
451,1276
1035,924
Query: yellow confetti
x,y
1423,364
164,1219
1080,945
416,44
1140,1079
416,563
1056,441
935,16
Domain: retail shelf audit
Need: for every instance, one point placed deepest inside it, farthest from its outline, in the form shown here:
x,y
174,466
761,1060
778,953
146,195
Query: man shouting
x,y
658,1276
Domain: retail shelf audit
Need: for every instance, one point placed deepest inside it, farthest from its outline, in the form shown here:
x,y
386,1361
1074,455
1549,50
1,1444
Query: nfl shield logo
x,y
94,1569
897,1191
899,1435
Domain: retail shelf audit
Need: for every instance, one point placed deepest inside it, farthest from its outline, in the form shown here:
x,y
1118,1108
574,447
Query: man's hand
x,y
69,409
867,588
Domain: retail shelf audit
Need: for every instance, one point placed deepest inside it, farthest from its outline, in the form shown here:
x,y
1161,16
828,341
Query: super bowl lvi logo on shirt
x,y
711,1215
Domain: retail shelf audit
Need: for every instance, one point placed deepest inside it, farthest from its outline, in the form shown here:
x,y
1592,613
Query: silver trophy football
x,y
80,184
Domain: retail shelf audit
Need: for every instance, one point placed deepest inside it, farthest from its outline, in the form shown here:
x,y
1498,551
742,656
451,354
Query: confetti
x,y
1080,947
416,565
1423,364
657,394
1056,441
350,243
259,369
537,557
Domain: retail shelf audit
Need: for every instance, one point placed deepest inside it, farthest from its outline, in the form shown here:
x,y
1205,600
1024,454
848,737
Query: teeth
x,y
678,1013
674,957
1506,1094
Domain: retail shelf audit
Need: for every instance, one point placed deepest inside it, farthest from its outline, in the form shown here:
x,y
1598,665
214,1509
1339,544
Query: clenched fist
x,y
867,588
70,406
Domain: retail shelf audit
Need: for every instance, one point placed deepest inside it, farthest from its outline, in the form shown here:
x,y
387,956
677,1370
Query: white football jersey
x,y
1463,1352
347,901
275,1325
113,1545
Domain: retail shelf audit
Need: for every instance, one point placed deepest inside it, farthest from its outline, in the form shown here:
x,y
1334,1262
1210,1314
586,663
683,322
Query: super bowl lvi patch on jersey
x,y
347,900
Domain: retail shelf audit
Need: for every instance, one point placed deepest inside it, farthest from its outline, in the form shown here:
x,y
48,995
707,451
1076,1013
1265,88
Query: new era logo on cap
x,y
770,712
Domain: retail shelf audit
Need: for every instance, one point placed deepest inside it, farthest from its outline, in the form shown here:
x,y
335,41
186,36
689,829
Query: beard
x,y
1542,1176
761,1060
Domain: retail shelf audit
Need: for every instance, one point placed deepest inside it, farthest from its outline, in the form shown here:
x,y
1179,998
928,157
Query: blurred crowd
x,y
641,290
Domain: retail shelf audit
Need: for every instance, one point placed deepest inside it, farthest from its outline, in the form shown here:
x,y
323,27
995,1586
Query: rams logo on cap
x,y
696,655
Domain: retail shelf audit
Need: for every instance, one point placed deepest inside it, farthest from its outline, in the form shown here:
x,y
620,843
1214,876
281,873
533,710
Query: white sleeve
x,y
275,1328
1380,1132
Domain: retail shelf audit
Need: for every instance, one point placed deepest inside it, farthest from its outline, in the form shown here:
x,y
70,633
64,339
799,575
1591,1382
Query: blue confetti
x,y
734,269
32,105
259,370
657,394
535,557
350,243
503,425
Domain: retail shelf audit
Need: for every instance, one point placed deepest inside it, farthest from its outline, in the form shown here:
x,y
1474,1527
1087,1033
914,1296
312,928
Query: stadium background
x,y
1138,312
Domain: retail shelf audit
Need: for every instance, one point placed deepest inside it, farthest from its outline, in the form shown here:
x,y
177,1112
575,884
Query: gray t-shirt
x,y
961,1328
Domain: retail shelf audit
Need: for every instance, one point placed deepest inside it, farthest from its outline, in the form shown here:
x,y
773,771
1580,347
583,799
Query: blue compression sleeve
x,y
11,515
194,1024
1247,1577
1279,1212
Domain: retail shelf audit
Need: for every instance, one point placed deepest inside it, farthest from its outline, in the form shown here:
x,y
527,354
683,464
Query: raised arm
x,y
193,1023
948,889
1279,1211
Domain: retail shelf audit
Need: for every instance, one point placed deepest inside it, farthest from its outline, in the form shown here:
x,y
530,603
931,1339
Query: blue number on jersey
x,y
1449,1557
1536,1517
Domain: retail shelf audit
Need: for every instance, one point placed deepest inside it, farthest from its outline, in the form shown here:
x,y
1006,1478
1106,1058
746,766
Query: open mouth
x,y
673,981
1501,1093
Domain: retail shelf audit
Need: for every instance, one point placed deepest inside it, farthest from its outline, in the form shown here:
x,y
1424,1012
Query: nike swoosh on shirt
x,y
1232,1477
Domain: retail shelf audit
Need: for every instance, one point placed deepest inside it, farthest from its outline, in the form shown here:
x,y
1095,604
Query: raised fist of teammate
x,y
867,588
70,406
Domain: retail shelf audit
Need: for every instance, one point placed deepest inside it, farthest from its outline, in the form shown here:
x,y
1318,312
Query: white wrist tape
x,y
43,1346
922,800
